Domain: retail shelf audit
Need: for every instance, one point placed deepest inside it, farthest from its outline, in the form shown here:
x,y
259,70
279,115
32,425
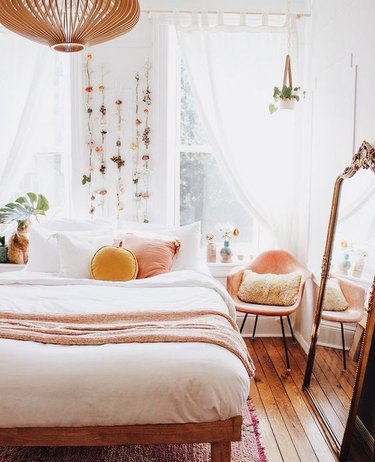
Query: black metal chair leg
x,y
243,322
343,346
285,345
255,326
291,330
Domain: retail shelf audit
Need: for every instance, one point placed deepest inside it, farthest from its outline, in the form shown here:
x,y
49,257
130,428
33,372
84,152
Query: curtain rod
x,y
150,11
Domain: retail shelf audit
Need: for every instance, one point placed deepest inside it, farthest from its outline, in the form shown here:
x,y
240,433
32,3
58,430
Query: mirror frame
x,y
363,159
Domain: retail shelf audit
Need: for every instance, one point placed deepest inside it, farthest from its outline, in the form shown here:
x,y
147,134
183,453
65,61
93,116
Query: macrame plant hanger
x,y
288,62
287,80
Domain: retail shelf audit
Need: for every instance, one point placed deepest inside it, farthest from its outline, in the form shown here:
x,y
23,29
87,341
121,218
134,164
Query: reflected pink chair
x,y
274,262
355,295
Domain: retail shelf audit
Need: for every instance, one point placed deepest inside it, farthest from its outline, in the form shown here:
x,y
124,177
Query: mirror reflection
x,y
345,299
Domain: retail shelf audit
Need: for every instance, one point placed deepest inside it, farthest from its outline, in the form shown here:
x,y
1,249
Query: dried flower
x,y
145,195
118,160
101,88
90,168
145,110
89,89
103,192
138,121
99,149
103,110
133,146
210,237
118,102
102,170
146,137
145,157
118,143
89,110
89,56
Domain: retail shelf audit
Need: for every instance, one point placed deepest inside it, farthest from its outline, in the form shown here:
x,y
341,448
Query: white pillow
x,y
189,237
76,251
43,251
75,224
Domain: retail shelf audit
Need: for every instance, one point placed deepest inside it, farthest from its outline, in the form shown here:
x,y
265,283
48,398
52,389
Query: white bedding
x,y
116,384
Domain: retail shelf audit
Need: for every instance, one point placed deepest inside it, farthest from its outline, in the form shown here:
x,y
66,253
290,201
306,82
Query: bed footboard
x,y
219,434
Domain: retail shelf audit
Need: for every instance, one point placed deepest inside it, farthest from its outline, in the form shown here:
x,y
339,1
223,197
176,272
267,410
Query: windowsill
x,y
220,270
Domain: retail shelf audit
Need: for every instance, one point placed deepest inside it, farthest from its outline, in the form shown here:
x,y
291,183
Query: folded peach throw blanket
x,y
140,327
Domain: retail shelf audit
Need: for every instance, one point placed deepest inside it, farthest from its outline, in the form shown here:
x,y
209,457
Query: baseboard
x,y
330,336
365,438
301,340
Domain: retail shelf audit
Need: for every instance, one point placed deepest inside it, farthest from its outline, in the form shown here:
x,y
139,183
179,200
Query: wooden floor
x,y
288,426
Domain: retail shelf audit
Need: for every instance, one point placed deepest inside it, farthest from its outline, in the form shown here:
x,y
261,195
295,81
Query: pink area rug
x,y
250,449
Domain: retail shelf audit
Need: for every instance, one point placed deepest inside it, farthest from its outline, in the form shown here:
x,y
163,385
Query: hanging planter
x,y
286,97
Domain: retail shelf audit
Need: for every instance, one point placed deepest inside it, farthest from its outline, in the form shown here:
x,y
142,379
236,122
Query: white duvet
x,y
116,384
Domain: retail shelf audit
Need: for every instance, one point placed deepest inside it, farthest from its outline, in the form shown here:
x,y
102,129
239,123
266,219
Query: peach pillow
x,y
154,256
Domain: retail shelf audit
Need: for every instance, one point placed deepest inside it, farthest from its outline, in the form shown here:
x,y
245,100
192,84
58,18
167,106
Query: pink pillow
x,y
154,256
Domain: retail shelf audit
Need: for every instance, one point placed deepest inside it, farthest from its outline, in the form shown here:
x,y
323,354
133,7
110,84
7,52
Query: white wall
x,y
342,71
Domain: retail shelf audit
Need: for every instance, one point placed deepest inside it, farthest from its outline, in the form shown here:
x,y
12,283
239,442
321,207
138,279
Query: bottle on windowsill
x,y
211,248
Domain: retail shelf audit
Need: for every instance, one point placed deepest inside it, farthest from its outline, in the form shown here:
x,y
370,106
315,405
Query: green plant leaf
x,y
33,199
23,207
42,204
272,108
86,179
276,92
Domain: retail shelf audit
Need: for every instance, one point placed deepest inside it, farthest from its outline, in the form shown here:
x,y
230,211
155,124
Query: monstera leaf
x,y
23,207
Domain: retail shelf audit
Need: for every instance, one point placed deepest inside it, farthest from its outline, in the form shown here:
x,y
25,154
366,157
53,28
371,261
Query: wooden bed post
x,y
221,452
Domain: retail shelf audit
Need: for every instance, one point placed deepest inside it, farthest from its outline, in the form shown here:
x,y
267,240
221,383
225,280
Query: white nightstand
x,y
5,267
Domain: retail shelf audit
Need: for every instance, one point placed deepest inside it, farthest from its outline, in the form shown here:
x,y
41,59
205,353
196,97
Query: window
x,y
48,172
204,194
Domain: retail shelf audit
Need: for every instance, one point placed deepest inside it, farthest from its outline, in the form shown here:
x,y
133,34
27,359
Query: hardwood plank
x,y
284,441
334,375
268,437
293,387
296,431
321,391
333,361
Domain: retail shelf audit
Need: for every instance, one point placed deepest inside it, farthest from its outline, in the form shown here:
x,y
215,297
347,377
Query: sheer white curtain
x,y
233,72
26,76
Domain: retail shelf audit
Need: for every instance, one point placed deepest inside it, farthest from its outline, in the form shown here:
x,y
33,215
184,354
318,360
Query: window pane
x,y
204,196
47,176
192,132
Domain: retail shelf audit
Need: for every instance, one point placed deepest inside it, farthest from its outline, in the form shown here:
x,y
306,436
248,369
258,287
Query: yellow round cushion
x,y
114,264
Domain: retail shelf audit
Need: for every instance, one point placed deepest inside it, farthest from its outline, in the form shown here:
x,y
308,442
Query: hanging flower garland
x,y
87,177
141,171
119,161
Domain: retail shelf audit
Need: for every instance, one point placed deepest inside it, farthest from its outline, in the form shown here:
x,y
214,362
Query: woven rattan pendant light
x,y
69,25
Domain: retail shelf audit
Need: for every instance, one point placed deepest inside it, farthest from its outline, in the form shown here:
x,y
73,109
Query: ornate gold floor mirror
x,y
335,377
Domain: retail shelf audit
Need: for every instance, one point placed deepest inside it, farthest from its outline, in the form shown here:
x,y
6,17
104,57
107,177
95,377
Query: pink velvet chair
x,y
355,295
274,262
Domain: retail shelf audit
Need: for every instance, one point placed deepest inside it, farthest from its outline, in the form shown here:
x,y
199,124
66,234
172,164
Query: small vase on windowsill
x,y
226,253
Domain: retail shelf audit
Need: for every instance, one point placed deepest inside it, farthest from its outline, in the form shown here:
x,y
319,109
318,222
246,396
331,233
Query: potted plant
x,y
21,210
3,250
285,98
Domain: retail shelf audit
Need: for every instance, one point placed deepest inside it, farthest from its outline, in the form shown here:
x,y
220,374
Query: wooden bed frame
x,y
219,434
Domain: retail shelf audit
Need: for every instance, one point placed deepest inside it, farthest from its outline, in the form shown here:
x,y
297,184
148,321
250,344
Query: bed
x,y
118,393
